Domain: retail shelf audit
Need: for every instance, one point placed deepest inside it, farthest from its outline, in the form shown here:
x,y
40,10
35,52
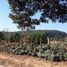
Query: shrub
x,y
65,56
54,53
38,38
15,37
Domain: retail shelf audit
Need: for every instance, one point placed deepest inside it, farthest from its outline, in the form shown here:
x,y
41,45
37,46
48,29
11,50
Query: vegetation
x,y
37,45
22,11
15,37
39,36
54,53
2,36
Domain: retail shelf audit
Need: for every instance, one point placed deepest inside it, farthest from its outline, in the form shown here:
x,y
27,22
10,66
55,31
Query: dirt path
x,y
8,60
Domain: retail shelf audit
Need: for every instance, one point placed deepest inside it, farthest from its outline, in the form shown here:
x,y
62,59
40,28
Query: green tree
x,y
23,10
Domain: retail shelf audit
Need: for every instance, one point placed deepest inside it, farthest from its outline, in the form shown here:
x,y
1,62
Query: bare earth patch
x,y
9,60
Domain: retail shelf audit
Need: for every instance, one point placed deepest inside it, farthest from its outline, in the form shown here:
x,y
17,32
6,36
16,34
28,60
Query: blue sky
x,y
6,22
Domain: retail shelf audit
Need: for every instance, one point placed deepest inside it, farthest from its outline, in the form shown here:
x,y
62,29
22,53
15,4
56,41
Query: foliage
x,y
53,53
36,37
15,37
2,37
22,11
37,46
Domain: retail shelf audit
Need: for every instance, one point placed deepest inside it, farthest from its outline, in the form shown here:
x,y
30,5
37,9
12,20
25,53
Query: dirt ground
x,y
9,60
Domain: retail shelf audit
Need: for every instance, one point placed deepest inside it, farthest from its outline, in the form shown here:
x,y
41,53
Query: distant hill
x,y
53,34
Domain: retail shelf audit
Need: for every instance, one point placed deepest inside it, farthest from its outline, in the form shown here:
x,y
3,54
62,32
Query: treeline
x,y
21,37
34,35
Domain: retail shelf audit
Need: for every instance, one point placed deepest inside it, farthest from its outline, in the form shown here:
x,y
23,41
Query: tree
x,y
23,10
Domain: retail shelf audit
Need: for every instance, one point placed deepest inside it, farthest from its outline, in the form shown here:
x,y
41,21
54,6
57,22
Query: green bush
x,y
35,37
65,56
15,37
2,36
38,38
54,53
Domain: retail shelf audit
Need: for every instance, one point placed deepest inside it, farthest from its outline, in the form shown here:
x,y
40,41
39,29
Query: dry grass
x,y
8,60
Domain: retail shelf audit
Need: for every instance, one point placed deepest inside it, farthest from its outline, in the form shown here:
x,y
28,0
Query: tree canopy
x,y
23,10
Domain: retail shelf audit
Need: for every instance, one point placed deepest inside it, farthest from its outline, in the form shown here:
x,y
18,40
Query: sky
x,y
7,25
